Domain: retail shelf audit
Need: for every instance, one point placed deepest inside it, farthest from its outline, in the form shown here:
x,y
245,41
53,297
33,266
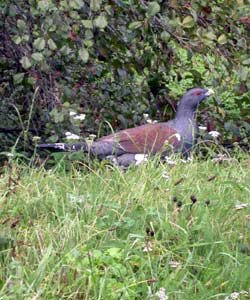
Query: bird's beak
x,y
209,92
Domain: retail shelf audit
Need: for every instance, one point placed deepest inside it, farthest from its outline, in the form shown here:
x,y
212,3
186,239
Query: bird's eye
x,y
197,93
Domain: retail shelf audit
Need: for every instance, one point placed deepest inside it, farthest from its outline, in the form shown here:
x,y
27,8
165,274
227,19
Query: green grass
x,y
106,234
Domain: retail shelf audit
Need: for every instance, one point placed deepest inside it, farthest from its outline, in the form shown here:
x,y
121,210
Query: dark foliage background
x,y
117,60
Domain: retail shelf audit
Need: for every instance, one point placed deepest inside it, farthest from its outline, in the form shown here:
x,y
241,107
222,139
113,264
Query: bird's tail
x,y
63,147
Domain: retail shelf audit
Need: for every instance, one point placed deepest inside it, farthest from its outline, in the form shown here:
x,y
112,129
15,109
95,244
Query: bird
x,y
133,145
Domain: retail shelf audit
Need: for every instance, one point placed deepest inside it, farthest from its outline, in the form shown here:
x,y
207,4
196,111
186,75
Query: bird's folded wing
x,y
151,138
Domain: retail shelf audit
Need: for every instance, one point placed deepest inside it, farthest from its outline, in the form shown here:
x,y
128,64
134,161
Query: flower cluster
x,y
75,116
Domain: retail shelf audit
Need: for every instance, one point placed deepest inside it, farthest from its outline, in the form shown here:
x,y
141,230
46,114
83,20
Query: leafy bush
x,y
114,61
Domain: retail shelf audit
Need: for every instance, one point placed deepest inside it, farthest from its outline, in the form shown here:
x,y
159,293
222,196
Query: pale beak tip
x,y
209,92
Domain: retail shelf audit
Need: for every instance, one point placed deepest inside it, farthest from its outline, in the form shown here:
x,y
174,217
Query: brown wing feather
x,y
149,138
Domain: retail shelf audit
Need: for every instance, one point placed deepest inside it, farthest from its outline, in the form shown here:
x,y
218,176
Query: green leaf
x,y
188,22
135,25
52,45
243,73
25,37
87,24
114,252
222,39
39,43
76,4
210,35
153,8
65,50
21,25
37,56
246,62
242,43
43,5
84,54
31,80
26,63
95,4
88,35
100,22
18,78
17,39
165,36
57,115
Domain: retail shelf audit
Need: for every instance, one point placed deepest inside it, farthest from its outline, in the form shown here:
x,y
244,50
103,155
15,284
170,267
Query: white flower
x,y
236,295
72,113
203,128
174,264
149,121
233,296
74,198
80,117
71,136
147,247
139,158
145,116
36,138
161,294
220,158
169,161
165,175
214,134
241,206
189,159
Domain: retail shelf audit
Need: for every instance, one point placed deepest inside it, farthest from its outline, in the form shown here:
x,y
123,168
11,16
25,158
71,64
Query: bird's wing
x,y
151,138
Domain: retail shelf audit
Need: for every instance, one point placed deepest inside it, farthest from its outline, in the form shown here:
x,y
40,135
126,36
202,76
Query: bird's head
x,y
192,98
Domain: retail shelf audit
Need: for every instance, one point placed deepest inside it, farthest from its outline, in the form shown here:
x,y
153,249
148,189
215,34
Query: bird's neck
x,y
185,123
184,114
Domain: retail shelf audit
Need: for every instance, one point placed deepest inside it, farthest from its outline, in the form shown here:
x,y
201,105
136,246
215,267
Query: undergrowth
x,y
177,231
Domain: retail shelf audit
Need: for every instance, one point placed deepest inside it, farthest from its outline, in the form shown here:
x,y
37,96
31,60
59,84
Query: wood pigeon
x,y
129,146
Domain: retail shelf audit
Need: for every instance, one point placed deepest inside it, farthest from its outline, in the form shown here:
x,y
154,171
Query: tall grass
x,y
108,234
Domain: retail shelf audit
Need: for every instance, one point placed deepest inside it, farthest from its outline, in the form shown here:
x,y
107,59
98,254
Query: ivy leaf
x,y
88,36
57,115
43,5
26,63
243,73
37,56
222,39
100,22
153,9
188,22
17,39
39,43
165,36
87,24
95,5
84,54
242,43
21,25
135,25
52,45
76,4
210,35
18,78
246,62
